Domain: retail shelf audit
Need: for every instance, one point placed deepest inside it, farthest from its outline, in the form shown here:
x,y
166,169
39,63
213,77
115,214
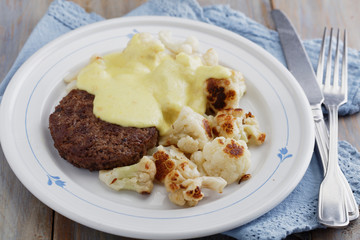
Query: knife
x,y
299,65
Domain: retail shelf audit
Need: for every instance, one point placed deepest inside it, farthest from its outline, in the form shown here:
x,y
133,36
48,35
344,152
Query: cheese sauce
x,y
145,85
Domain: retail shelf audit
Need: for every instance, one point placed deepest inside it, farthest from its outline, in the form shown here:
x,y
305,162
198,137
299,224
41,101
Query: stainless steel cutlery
x,y
337,205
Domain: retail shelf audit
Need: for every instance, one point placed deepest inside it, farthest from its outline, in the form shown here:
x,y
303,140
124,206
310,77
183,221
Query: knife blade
x,y
296,58
299,65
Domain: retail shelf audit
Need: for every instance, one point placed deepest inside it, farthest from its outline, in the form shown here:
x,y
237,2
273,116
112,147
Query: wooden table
x,y
22,216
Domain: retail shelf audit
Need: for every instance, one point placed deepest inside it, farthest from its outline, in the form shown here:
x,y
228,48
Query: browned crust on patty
x,y
88,142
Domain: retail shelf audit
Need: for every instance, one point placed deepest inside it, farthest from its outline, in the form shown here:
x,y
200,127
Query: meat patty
x,y
88,142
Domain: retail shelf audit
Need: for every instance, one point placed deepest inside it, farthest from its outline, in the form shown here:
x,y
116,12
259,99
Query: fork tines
x,y
320,68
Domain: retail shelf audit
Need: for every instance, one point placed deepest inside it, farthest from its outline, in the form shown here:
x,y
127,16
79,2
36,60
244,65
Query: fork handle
x,y
333,145
332,195
322,147
350,201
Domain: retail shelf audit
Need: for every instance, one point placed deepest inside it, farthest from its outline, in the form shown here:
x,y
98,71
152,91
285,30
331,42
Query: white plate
x,y
273,96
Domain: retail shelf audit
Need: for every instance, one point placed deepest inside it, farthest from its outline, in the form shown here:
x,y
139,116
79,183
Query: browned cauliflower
x,y
224,93
181,178
251,128
190,132
223,157
188,192
170,158
137,177
235,123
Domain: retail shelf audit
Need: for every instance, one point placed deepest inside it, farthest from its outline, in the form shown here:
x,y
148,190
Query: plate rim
x,y
153,19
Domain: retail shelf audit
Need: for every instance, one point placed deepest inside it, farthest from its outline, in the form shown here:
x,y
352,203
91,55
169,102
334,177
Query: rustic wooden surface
x,y
22,216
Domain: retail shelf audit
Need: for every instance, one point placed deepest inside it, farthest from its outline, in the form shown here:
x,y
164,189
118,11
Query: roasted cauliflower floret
x,y
210,58
189,46
170,158
137,177
223,157
181,178
251,128
183,191
228,123
224,93
190,132
149,40
236,124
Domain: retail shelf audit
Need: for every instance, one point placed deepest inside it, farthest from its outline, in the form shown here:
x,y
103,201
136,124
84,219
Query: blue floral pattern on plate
x,y
55,179
283,154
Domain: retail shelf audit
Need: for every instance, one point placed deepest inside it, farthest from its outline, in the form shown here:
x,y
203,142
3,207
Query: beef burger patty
x,y
88,142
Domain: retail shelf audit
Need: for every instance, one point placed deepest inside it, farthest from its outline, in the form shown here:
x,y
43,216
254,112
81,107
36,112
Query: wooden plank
x,y
22,216
16,24
72,230
311,16
65,229
349,129
349,233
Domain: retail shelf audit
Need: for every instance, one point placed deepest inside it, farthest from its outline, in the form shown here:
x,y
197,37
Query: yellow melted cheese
x,y
145,86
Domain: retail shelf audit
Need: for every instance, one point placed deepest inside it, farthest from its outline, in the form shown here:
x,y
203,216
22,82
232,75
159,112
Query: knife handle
x,y
321,135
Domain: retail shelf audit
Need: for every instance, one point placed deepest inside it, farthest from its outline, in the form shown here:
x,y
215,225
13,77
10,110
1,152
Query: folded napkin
x,y
297,212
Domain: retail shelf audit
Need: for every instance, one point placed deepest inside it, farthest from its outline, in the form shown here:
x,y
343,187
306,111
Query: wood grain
x,y
311,16
16,24
22,216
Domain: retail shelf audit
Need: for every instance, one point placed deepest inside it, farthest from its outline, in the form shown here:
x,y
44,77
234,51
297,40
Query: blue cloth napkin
x,y
297,212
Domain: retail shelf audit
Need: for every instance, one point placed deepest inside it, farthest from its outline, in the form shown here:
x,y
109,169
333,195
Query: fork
x,y
351,205
336,201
